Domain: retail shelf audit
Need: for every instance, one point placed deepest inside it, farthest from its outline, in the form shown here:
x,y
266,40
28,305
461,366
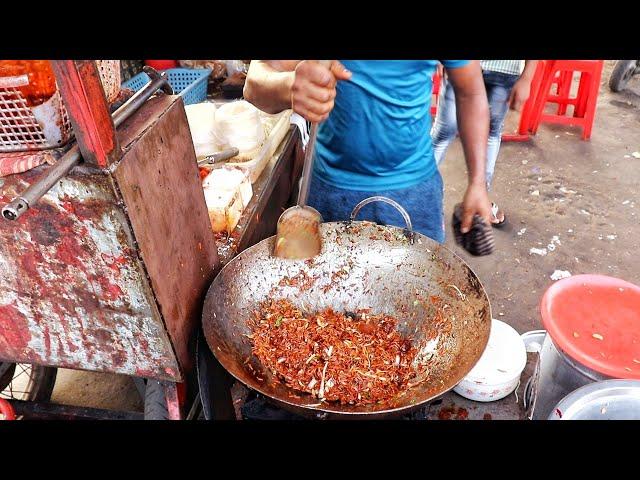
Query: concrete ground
x,y
586,197
583,192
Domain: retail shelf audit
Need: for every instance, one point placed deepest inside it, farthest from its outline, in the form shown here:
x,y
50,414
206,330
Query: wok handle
x,y
393,203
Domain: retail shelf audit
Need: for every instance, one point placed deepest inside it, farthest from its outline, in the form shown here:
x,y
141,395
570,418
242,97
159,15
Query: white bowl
x,y
498,371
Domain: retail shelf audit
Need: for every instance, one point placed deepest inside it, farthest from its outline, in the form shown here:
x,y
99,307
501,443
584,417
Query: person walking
x,y
508,85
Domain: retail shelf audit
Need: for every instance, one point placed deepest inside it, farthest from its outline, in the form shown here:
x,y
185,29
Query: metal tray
x,y
606,400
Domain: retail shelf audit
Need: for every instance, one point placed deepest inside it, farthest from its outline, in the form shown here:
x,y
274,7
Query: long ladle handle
x,y
307,168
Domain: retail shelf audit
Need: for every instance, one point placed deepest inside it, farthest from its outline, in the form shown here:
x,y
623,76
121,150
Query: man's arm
x,y
308,87
522,88
268,84
472,108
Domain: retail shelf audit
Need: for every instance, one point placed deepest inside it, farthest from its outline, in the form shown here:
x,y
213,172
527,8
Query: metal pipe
x,y
556,376
38,189
307,168
219,157
158,81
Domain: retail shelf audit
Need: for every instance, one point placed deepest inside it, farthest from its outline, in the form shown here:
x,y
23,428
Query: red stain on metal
x,y
110,290
558,412
14,328
144,373
173,401
114,263
71,291
68,252
30,261
68,206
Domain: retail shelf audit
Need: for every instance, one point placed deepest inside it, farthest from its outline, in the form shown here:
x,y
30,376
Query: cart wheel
x,y
23,381
155,403
621,74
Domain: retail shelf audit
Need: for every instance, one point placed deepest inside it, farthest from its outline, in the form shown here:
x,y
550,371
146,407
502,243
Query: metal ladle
x,y
298,229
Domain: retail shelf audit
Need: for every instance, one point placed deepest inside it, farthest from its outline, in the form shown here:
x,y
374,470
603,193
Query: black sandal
x,y
494,214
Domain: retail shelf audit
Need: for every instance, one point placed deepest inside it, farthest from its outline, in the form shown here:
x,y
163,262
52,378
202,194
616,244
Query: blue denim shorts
x,y
423,202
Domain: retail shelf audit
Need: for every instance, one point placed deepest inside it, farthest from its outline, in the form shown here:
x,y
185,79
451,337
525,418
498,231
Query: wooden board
x,y
83,94
159,183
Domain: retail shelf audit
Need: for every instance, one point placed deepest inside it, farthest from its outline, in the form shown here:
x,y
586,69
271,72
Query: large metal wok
x,y
362,265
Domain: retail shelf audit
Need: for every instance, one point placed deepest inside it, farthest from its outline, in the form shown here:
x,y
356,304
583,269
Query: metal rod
x,y
38,189
307,168
141,96
219,156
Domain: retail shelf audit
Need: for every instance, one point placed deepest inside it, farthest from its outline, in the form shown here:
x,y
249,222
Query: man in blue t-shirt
x,y
374,139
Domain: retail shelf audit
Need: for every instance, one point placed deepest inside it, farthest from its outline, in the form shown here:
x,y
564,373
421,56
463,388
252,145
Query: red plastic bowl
x,y
162,64
595,320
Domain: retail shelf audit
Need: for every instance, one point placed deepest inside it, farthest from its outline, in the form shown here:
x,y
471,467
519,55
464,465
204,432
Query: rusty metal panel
x,y
72,290
159,183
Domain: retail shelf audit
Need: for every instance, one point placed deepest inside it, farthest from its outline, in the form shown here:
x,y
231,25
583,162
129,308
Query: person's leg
x,y
445,125
498,86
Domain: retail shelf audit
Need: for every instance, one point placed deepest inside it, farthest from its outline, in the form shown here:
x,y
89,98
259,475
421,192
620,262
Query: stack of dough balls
x,y
227,189
236,124
239,124
201,118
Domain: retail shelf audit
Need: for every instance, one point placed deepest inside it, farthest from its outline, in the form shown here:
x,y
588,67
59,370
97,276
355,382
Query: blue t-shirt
x,y
377,136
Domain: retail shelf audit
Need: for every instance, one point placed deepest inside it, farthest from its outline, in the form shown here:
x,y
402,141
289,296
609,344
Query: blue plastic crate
x,y
189,83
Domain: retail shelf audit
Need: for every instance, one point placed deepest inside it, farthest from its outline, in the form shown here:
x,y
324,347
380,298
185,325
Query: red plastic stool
x,y
6,410
563,86
585,101
563,81
437,83
525,115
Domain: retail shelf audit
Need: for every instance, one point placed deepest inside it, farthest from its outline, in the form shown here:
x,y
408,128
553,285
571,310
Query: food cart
x,y
107,271
105,261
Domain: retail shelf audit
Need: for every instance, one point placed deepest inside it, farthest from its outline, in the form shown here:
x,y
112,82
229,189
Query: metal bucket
x,y
556,376
608,400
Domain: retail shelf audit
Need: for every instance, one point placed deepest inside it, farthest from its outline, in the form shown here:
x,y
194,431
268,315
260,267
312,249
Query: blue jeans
x,y
498,86
423,202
